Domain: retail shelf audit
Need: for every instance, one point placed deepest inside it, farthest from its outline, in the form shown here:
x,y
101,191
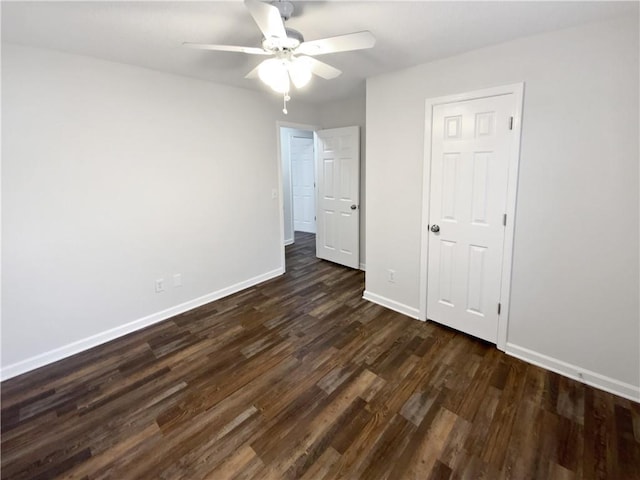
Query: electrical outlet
x,y
159,285
391,276
177,280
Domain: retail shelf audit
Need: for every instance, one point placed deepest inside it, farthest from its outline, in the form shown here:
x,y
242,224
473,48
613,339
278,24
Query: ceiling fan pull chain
x,y
285,99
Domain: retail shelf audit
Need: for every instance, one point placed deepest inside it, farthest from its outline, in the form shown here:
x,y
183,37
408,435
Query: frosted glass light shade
x,y
274,73
300,71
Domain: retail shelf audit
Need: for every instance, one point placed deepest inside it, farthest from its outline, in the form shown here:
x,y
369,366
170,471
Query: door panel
x,y
469,172
338,186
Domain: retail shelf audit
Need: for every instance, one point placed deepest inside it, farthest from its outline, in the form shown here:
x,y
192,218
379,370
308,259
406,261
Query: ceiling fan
x,y
291,58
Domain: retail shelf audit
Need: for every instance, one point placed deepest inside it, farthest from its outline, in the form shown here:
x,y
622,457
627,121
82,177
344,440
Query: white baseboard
x,y
363,267
593,379
288,242
65,351
392,304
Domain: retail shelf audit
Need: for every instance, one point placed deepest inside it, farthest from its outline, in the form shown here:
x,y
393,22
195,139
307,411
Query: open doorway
x,y
298,181
320,190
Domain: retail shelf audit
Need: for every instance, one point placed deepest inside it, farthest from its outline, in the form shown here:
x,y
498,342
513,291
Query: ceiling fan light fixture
x,y
292,57
274,73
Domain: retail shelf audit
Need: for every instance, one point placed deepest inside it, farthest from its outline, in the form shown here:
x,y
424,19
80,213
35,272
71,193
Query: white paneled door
x,y
471,145
338,179
302,183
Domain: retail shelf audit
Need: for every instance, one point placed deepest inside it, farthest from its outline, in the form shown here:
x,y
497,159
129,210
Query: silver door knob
x,y
353,207
435,228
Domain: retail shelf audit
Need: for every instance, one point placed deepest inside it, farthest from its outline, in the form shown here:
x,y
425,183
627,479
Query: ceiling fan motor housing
x,y
291,42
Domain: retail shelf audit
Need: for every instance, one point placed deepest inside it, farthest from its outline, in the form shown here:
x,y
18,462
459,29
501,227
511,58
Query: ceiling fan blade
x,y
322,69
267,17
227,48
341,43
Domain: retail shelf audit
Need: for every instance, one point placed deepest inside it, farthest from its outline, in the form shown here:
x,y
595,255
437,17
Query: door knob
x,y
435,228
353,207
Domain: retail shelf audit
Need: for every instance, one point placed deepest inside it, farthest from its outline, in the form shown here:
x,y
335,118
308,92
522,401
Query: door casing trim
x,y
517,90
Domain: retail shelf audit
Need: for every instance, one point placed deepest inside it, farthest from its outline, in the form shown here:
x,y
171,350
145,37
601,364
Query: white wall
x,y
287,194
575,284
113,176
348,112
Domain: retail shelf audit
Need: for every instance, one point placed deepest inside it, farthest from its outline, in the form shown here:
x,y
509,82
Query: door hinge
x,y
504,220
510,123
499,308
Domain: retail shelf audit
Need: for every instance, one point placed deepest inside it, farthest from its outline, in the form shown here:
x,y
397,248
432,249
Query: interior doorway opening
x,y
297,157
319,180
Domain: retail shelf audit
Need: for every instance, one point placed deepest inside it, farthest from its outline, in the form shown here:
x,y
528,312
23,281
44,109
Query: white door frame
x,y
517,90
298,126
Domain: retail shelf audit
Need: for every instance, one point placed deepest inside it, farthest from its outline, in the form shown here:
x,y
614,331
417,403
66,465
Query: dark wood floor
x,y
301,378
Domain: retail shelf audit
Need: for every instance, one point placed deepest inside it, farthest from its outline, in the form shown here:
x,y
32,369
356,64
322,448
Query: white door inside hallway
x,y
471,146
338,183
303,183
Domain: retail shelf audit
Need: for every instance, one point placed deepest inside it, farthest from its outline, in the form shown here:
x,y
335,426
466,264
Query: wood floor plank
x,y
300,377
501,426
431,445
233,464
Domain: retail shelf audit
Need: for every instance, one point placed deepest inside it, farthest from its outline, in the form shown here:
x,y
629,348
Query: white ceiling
x,y
150,34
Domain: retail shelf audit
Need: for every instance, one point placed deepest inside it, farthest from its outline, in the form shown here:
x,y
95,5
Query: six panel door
x,y
469,172
338,179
